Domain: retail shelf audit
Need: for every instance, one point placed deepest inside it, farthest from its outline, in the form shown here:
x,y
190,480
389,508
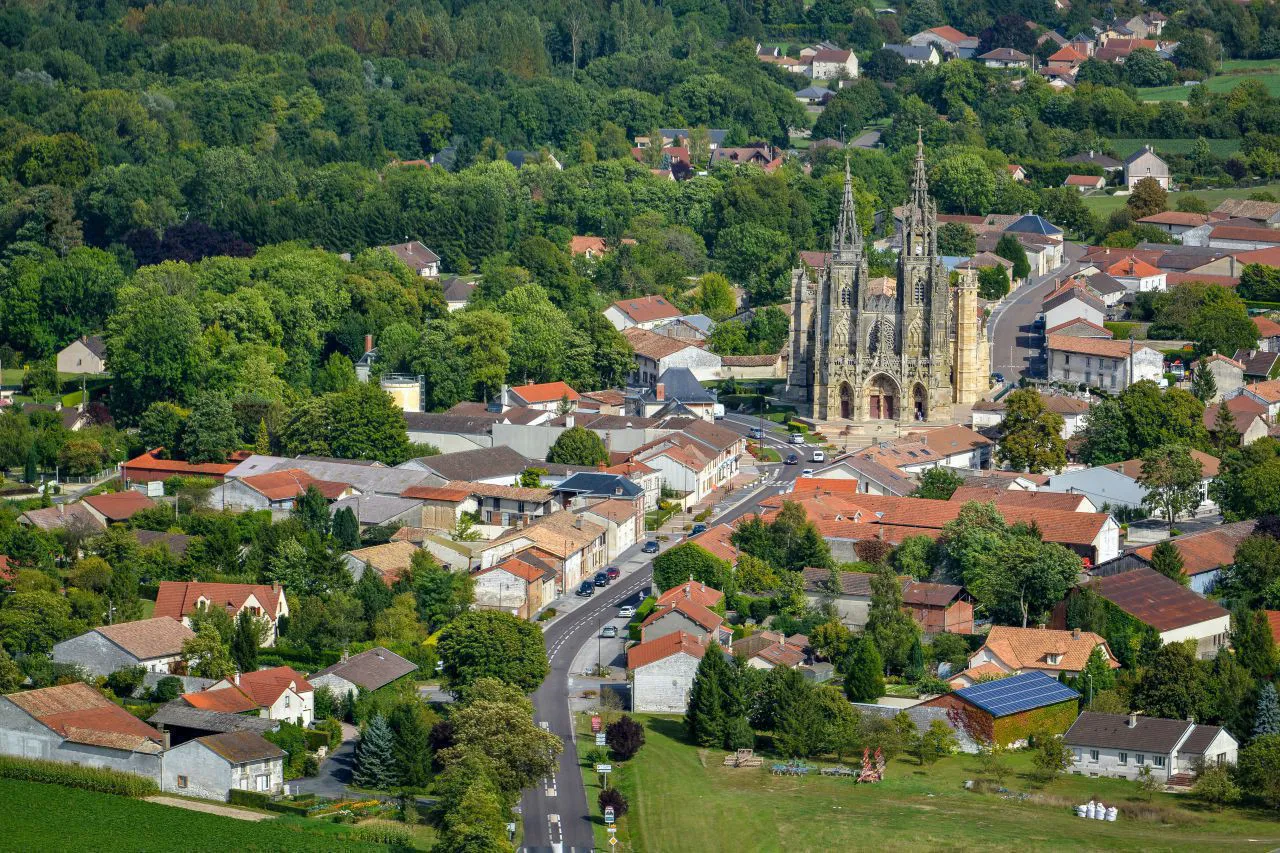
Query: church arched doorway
x,y
919,403
846,400
881,398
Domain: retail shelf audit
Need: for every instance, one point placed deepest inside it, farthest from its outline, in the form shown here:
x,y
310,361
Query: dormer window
x,y
1053,658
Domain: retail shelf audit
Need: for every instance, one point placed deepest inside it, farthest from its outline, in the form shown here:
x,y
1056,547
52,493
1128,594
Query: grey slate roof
x,y
911,51
370,669
178,713
600,485
1034,224
458,289
1149,734
1095,157
96,345
679,383
375,509
366,479
474,465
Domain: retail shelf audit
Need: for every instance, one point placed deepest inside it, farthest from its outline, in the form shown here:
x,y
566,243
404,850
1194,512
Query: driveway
x,y
335,770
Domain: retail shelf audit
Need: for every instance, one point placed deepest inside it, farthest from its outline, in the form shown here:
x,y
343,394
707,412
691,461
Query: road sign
x,y
595,723
612,830
599,738
613,841
608,814
604,768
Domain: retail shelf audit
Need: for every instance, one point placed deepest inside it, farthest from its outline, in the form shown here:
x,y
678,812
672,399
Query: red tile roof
x,y
544,392
148,463
694,591
1267,257
1150,597
1132,268
951,34
292,483
1259,234
580,245
1273,619
436,493
1176,217
519,568
1209,550
690,609
1017,497
652,651
653,345
81,714
1093,346
1102,331
717,540
227,700
1067,54
119,506
646,309
265,686
1267,328
179,598
1084,180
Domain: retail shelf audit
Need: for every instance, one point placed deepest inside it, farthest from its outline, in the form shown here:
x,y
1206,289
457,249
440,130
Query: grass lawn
x,y
1103,205
54,818
1126,146
683,798
1236,73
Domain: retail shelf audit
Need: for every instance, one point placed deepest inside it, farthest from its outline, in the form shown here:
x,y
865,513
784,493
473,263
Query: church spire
x,y
846,240
919,180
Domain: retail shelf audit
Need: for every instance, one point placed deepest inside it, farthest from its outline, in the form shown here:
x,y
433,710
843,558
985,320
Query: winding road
x,y
1015,347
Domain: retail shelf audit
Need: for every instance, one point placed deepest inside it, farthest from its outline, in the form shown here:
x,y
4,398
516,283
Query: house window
x,y
262,782
1124,758
1093,755
1140,758
1157,760
182,781
1220,758
286,700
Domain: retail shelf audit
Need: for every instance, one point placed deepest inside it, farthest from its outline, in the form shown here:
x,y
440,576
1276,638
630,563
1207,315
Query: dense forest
x,y
179,176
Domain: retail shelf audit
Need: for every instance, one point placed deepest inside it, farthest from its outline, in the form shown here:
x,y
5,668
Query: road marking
x,y
550,784
553,831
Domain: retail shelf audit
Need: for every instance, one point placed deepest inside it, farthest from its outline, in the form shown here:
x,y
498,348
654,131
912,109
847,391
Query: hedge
x,y
253,799
299,809
69,775
317,739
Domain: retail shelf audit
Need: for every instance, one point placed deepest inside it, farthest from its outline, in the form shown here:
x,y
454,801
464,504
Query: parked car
x,y
650,547
757,432
792,459
819,456
613,572
609,632
997,379
585,590
796,438
602,579
698,528
807,472
626,611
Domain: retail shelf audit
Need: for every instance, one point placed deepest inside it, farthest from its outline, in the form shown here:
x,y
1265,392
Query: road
x,y
555,813
1015,348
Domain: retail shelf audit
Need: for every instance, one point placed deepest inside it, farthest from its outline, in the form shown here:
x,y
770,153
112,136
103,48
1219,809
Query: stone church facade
x,y
906,352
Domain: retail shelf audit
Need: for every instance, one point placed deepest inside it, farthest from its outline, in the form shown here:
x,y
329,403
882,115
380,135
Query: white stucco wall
x,y
663,686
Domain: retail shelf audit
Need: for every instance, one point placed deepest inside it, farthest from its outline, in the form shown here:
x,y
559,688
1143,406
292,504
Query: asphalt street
x,y
555,812
1016,349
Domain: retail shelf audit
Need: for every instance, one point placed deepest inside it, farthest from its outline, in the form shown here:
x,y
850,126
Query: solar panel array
x,y
1017,693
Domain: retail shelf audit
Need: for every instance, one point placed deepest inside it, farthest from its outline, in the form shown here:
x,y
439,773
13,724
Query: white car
x,y
626,611
797,438
807,472
819,456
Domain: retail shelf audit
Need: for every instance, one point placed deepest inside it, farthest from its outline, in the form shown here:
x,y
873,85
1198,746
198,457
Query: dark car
x,y
613,572
997,379
698,528
602,579
650,547
792,459
585,590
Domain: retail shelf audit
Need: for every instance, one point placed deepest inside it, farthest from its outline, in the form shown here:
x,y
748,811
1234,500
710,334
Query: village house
x,y
380,510
1206,553
1175,222
833,63
544,396
116,507
520,585
75,724
935,607
276,693
180,599
278,491
1145,163
574,546
1003,496
1122,746
717,540
1073,301
499,465
214,765
623,521
1100,363
953,43
1227,373
1005,711
662,672
151,466
685,613
390,560
769,649
1174,611
1137,275
76,516
417,257
369,670
1010,651
458,291
591,248
677,392
1005,58
87,354
913,54
1248,419
643,312
988,414
1096,158
1085,183
656,354
154,644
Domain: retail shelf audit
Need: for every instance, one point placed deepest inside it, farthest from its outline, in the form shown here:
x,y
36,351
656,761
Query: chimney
x,y
569,420
1075,633
600,466
235,678
577,522
1133,721
166,740
368,343
660,392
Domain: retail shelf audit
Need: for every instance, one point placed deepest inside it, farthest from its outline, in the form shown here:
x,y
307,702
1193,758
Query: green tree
x,y
715,297
346,529
1010,249
245,641
1147,198
1096,676
938,741
489,644
11,675
1050,756
477,823
495,721
1253,642
578,446
689,560
206,655
441,595
1171,476
1226,435
938,484
705,719
1031,435
161,425
963,182
1028,577
1266,719
365,423
411,725
888,625
152,349
1215,786
993,283
262,439
1258,769
312,511
1173,685
915,556
864,673
957,240
1203,386
375,761
1105,438
210,431
1167,560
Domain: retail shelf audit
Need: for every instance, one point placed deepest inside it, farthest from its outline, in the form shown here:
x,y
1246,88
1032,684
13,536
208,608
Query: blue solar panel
x,y
1017,693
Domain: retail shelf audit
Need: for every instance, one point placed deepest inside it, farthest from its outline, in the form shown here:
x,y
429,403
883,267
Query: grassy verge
x,y
683,798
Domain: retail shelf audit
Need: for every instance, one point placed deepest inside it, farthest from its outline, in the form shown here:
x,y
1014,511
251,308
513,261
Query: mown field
x,y
47,818
683,798
1234,72
1126,146
1103,205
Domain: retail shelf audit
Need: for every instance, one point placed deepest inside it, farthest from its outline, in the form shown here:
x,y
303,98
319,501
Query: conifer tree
x,y
1266,721
375,756
705,718
244,642
262,440
346,529
412,728
1167,560
864,673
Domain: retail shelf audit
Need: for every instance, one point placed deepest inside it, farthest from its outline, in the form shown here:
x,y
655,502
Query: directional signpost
x,y
599,738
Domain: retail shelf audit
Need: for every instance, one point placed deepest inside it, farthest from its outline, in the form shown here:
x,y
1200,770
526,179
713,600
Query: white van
x,y
819,456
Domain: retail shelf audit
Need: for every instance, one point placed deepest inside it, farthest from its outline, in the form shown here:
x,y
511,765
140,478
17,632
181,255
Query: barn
x,y
1008,710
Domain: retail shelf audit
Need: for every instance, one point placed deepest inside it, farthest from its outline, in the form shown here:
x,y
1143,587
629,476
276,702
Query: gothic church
x,y
908,353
